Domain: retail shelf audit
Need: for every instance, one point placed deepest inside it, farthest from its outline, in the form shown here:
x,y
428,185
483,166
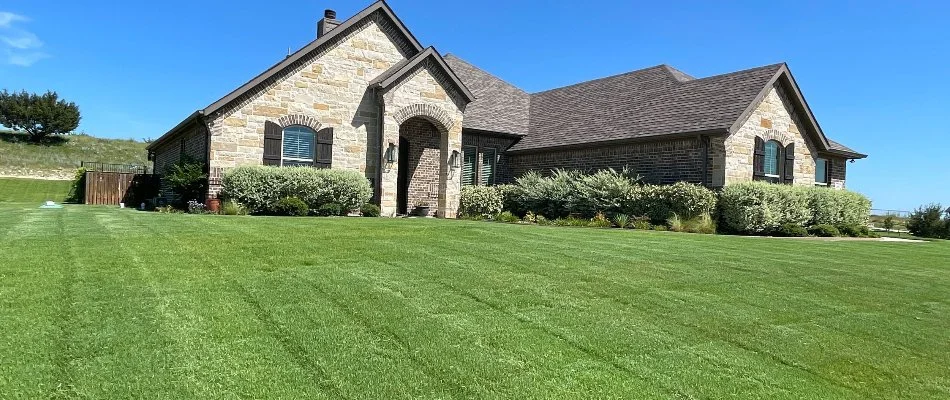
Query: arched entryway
x,y
419,170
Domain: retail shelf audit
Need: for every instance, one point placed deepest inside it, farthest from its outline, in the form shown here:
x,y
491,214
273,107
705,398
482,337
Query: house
x,y
366,95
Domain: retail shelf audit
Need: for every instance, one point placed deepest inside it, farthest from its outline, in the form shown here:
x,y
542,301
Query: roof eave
x,y
167,135
851,155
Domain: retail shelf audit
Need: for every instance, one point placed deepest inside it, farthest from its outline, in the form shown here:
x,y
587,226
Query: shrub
x,y
925,222
480,200
789,230
758,207
291,206
187,178
889,222
530,217
604,191
541,220
257,187
508,218
369,210
824,230
675,223
661,228
600,221
231,207
835,207
77,189
701,224
854,230
196,207
641,224
661,202
329,210
622,221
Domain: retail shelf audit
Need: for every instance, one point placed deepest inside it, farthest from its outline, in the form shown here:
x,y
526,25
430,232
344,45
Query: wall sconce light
x,y
454,159
392,153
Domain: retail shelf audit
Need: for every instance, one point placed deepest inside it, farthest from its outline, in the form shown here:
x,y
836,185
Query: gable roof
x,y
404,67
499,107
377,7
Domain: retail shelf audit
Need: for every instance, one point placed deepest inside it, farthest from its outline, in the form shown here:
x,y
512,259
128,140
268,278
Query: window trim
x,y
283,142
779,159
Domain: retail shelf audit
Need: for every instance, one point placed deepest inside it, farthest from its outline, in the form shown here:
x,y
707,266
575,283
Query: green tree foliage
x,y
38,115
187,178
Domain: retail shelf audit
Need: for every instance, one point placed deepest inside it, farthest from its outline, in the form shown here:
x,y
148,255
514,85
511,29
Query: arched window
x,y
298,146
773,159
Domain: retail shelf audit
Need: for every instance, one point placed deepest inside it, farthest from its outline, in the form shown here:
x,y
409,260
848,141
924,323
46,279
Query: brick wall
x,y
191,141
667,161
500,144
424,139
839,168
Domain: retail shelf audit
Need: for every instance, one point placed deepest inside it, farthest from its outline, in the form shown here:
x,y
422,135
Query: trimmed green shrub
x,y
231,207
257,187
789,230
508,218
854,230
369,210
758,207
835,207
661,202
329,210
824,230
480,200
291,206
604,191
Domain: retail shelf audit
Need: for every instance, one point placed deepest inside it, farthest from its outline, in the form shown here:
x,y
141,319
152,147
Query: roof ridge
x,y
600,79
451,55
743,71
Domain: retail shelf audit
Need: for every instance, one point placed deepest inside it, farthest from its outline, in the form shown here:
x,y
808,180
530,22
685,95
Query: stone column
x,y
450,179
389,178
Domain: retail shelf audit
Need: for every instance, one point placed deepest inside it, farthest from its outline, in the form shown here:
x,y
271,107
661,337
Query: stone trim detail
x,y
777,136
298,119
432,113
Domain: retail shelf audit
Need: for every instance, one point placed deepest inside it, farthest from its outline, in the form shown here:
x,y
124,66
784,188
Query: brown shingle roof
x,y
499,105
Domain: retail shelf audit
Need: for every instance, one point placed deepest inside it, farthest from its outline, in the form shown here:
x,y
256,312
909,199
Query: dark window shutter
x,y
324,148
273,134
828,167
758,159
790,163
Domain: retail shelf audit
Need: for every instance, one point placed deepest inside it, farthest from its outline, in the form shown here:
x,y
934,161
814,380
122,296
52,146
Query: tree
x,y
38,115
925,222
889,222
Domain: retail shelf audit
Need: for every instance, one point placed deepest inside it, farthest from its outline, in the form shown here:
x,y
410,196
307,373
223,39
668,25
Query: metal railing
x,y
118,168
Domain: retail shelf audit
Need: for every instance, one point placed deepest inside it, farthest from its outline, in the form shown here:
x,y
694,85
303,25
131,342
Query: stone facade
x,y
666,161
422,94
774,118
330,88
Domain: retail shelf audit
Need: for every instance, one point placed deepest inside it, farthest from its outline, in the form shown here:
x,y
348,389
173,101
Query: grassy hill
x,y
60,158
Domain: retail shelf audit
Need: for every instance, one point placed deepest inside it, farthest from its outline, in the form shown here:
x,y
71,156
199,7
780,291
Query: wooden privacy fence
x,y
113,188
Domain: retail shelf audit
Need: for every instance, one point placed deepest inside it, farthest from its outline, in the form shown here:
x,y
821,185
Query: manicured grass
x,y
108,303
17,190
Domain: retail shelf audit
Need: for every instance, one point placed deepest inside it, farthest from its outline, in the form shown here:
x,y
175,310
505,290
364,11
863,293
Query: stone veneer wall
x,y
500,144
424,142
774,118
329,87
667,161
422,93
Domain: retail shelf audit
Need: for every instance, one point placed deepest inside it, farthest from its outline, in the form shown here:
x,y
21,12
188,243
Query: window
x,y
298,146
821,171
468,165
773,159
489,158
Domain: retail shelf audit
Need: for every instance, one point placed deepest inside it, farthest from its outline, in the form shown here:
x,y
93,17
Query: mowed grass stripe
x,y
382,308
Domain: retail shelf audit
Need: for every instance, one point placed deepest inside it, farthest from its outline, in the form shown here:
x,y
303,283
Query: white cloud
x,y
7,19
19,47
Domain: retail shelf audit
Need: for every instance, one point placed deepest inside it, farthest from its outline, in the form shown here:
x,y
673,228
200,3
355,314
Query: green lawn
x,y
108,303
16,190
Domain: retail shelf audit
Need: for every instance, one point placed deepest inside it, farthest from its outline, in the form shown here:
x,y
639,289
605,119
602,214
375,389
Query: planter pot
x,y
422,211
213,205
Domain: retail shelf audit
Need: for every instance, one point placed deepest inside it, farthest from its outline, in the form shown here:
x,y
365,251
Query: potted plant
x,y
422,208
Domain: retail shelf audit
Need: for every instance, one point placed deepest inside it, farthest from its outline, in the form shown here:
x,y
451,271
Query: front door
x,y
402,181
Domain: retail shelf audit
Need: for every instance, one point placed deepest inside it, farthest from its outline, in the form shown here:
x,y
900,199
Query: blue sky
x,y
875,74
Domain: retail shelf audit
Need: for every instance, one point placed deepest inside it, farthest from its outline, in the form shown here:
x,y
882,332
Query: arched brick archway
x,y
299,119
434,114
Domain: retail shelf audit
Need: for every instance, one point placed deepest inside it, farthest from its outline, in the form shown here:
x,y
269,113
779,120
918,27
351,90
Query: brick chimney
x,y
327,23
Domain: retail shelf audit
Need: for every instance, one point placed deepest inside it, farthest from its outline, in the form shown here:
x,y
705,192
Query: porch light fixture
x,y
454,159
392,153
